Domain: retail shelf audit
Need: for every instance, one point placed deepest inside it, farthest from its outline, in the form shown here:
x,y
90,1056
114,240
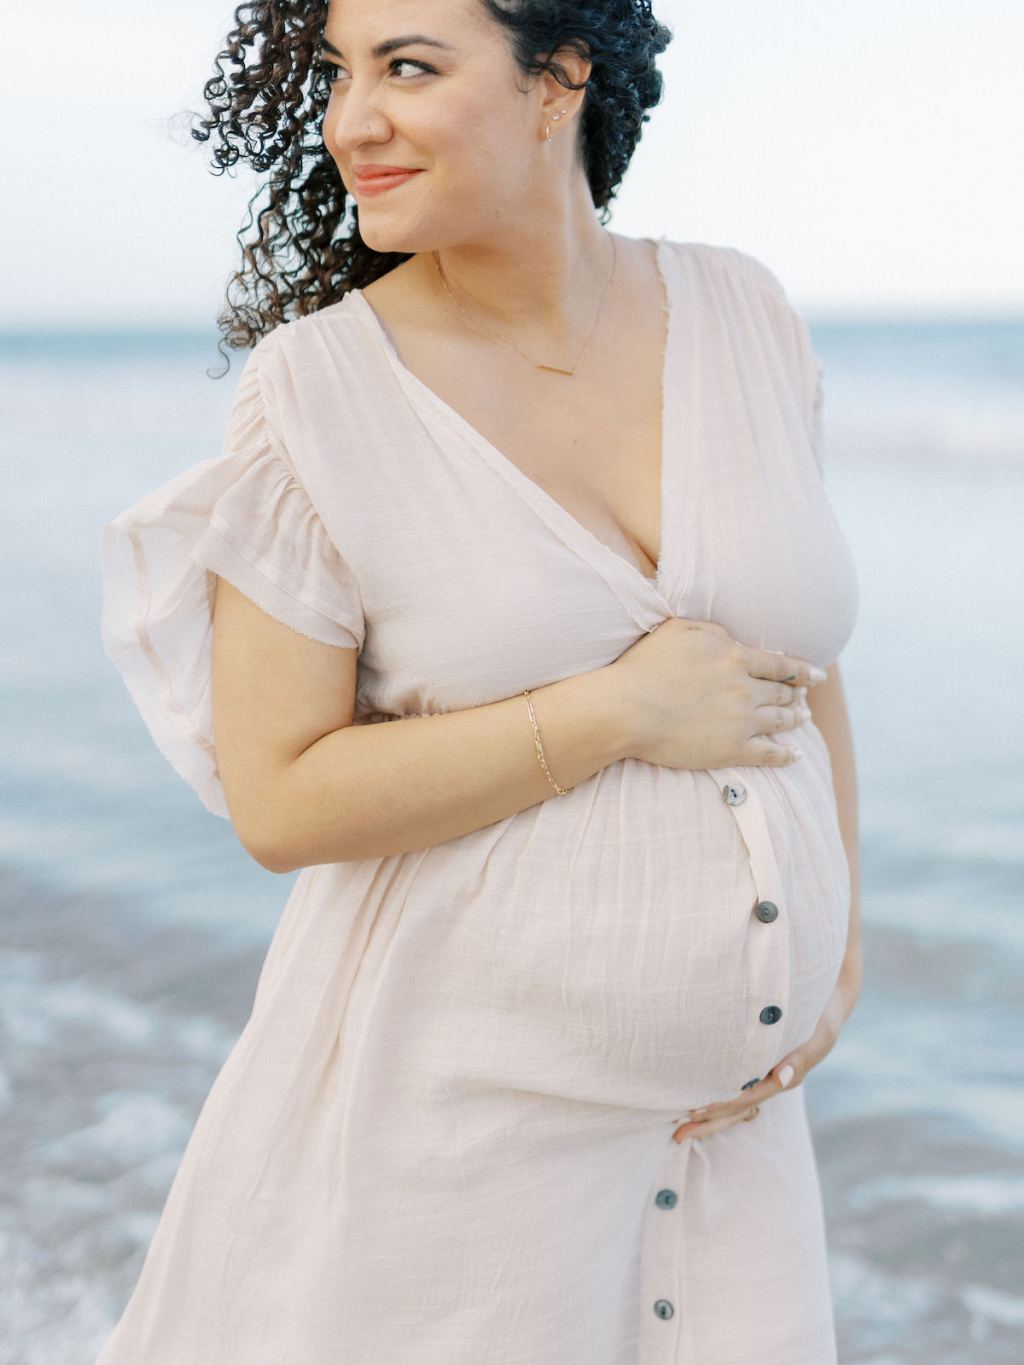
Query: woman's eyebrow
x,y
391,45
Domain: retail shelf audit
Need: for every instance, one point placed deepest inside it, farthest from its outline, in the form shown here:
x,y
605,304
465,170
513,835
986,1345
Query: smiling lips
x,y
374,179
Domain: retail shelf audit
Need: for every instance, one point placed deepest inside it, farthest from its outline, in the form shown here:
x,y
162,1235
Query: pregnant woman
x,y
498,618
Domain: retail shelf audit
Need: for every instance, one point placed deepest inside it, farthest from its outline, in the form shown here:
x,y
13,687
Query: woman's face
x,y
448,107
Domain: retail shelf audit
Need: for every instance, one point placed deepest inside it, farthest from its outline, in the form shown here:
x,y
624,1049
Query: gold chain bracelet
x,y
539,747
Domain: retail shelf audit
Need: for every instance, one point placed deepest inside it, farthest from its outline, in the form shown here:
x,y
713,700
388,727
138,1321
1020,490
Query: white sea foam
x,y
988,1195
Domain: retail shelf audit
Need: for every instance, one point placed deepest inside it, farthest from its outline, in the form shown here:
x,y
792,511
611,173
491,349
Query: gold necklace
x,y
558,369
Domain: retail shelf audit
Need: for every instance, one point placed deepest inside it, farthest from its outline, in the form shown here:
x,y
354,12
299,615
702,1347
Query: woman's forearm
x,y
367,791
829,711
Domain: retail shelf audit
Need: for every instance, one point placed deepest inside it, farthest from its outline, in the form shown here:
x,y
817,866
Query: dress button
x,y
748,1084
663,1308
666,1199
766,911
771,1014
735,793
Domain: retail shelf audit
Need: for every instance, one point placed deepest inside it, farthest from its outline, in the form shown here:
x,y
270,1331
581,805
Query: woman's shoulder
x,y
296,334
731,260
295,355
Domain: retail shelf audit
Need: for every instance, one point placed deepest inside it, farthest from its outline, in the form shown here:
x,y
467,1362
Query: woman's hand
x,y
699,699
787,1073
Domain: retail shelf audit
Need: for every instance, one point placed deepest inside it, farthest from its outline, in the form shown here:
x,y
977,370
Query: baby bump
x,y
602,943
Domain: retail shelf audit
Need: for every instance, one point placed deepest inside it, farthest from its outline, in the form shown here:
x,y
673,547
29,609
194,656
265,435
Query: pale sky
x,y
868,153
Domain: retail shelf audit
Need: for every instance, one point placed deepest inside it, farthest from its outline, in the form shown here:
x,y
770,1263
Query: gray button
x,y
666,1199
748,1084
766,911
663,1308
735,793
771,1014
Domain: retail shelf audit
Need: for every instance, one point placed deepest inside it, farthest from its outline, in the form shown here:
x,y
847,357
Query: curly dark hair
x,y
306,251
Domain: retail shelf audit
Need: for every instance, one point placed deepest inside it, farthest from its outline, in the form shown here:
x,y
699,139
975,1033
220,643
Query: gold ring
x,y
752,1113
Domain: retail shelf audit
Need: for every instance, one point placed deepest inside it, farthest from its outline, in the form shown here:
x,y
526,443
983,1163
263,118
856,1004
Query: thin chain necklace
x,y
558,369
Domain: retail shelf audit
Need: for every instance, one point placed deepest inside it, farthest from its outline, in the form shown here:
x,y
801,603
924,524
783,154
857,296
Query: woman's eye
x,y
336,71
408,61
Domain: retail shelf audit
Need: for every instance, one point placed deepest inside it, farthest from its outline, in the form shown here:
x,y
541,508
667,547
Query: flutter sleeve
x,y
245,516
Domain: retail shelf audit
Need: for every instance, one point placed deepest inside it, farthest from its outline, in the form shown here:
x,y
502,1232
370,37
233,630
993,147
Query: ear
x,y
575,65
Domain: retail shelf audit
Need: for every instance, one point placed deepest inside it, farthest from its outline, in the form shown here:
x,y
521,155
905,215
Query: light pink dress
x,y
444,1135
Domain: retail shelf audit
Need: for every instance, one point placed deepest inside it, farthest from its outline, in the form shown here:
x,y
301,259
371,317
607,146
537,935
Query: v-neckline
x,y
571,527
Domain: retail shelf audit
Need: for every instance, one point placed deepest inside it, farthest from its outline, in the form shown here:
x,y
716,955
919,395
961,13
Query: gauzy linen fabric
x,y
444,1134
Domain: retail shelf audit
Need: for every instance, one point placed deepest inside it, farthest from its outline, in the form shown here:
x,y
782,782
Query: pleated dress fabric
x,y
444,1134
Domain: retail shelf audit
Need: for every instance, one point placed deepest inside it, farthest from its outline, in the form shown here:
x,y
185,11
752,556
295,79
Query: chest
x,y
591,441
486,566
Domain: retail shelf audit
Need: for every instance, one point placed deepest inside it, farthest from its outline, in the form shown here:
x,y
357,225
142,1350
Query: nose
x,y
354,120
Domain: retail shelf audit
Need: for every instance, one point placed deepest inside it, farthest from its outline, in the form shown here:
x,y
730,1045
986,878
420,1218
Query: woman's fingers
x,y
768,752
784,668
699,1131
715,1124
765,693
713,1118
768,720
781,707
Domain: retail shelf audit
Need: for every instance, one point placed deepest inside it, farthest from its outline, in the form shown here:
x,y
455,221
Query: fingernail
x,y
785,1075
818,674
797,752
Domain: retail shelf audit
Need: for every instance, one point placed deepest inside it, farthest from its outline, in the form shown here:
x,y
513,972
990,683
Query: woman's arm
x,y
306,786
827,703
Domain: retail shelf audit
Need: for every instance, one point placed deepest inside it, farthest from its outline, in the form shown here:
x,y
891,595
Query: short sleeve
x,y
795,340
245,516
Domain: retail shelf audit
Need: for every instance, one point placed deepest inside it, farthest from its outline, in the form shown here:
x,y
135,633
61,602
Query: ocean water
x,y
133,923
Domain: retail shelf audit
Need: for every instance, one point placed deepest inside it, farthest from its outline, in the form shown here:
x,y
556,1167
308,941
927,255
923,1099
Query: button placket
x,y
664,1335
768,942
